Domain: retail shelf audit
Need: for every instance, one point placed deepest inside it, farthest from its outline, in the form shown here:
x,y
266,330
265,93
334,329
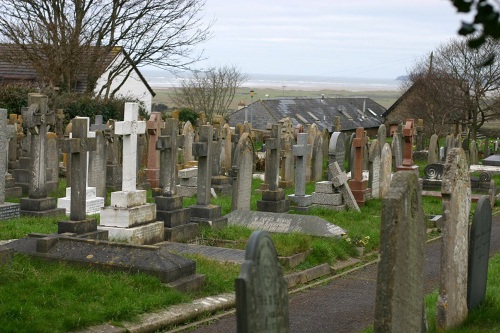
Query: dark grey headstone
x,y
479,249
261,290
400,281
492,160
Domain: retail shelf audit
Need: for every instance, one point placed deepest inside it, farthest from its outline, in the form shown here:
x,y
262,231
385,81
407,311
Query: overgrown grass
x,y
21,226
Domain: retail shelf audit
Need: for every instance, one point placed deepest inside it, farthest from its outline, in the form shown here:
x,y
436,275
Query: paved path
x,y
346,304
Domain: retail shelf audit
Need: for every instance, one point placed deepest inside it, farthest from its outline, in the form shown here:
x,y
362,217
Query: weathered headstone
x,y
188,133
456,197
397,150
52,162
261,290
337,150
114,158
169,207
60,117
242,173
36,119
287,167
339,180
419,138
317,158
98,124
7,210
153,126
400,282
226,149
479,249
473,152
349,153
385,169
204,212
78,146
130,217
97,165
357,184
301,151
382,135
433,155
407,164
374,168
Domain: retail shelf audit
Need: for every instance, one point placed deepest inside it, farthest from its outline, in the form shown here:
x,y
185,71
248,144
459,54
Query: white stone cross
x,y
129,128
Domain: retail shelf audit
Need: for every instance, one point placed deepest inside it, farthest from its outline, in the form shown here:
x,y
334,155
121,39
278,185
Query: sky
x,y
340,38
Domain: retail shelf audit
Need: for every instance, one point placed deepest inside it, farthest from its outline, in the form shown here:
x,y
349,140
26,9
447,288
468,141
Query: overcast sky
x,y
347,38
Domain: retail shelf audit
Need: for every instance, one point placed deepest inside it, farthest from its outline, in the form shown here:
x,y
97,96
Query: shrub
x,y
186,114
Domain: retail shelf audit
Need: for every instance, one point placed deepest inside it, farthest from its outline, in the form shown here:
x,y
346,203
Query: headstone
x,y
98,165
273,199
339,179
188,133
385,169
98,124
473,153
456,198
479,249
114,158
433,155
317,158
60,117
261,290
449,144
397,150
312,132
493,160
130,218
419,139
7,210
78,146
357,185
287,166
52,162
36,119
242,173
204,212
374,168
349,153
154,126
301,151
337,150
169,204
226,149
382,135
11,189
407,164
400,282
13,144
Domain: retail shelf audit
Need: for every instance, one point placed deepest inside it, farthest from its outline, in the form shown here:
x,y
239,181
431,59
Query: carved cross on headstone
x,y
168,143
129,128
36,119
408,143
78,146
273,148
98,124
359,143
202,150
301,150
339,180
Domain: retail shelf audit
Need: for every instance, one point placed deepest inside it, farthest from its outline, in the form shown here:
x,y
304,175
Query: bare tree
x,y
67,41
458,87
210,91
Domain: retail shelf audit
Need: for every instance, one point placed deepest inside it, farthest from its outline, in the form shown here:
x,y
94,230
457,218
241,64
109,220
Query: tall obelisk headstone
x,y
359,187
301,151
36,119
154,126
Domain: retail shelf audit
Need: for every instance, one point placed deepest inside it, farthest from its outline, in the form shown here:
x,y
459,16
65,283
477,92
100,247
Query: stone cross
x,y
202,150
78,146
273,148
167,144
98,124
4,142
36,118
129,128
359,143
339,180
301,150
154,126
408,143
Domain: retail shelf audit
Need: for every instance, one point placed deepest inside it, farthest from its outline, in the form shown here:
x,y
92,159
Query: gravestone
x,y
168,203
325,136
407,163
349,153
78,146
479,250
385,169
419,138
400,281
357,185
153,126
203,212
242,172
473,152
226,149
493,160
382,135
7,210
449,144
261,290
339,180
187,150
11,189
60,117
374,169
36,118
287,166
130,218
433,155
13,144
456,198
114,158
337,150
312,132
273,198
301,151
397,150
317,158
52,162
98,124
93,203
98,165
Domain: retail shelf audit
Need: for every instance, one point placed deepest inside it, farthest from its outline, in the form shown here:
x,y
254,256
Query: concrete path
x,y
346,304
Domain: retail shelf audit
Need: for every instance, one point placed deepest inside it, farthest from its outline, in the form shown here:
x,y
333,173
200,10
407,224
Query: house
x,y
353,112
135,85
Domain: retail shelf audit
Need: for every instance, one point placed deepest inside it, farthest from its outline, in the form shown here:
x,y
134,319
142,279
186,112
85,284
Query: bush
x,y
188,114
13,96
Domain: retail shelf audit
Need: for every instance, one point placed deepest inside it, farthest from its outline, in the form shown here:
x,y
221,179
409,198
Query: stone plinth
x,y
209,215
301,202
359,190
176,219
221,185
93,203
188,182
326,195
273,201
40,207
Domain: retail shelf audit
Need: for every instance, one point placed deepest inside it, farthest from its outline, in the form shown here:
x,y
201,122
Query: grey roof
x,y
319,111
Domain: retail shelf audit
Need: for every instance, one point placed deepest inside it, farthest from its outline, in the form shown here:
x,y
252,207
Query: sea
x,y
163,79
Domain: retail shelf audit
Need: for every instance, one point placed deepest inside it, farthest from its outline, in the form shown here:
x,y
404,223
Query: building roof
x,y
13,72
353,112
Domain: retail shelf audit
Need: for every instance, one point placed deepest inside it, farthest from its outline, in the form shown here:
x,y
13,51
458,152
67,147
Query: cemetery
x,y
105,221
